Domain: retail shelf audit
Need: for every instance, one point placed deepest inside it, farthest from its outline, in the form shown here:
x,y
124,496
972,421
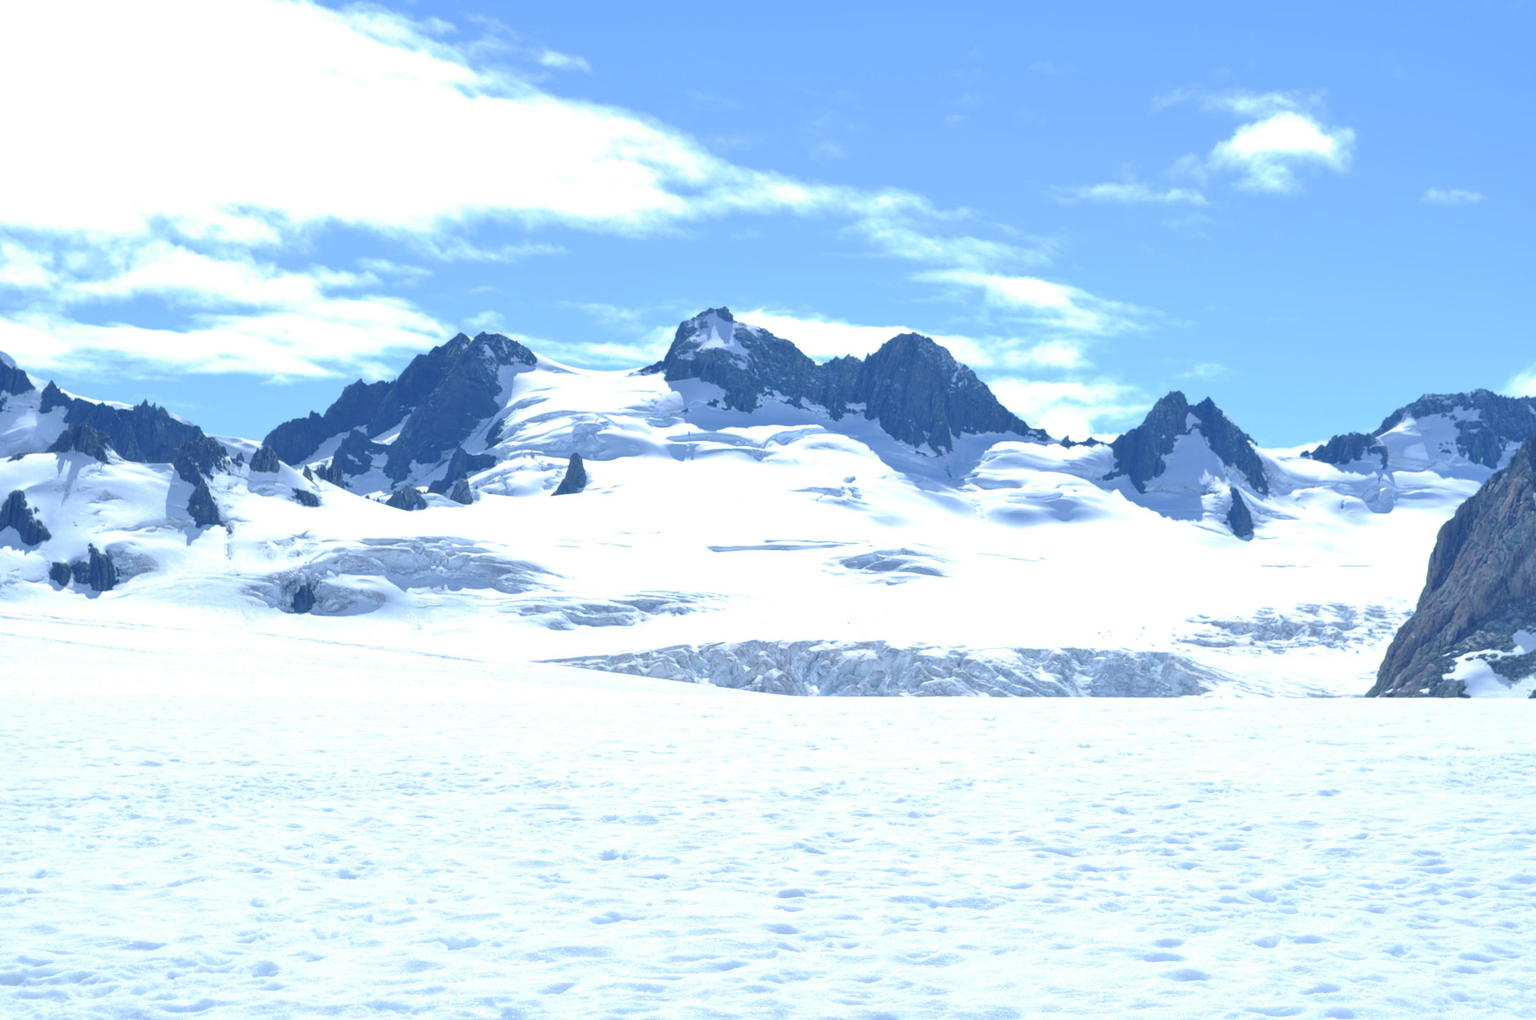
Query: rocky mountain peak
x,y
1140,452
441,397
912,386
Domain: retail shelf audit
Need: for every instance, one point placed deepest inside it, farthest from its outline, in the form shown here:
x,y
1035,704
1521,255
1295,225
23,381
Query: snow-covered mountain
x,y
1455,434
737,510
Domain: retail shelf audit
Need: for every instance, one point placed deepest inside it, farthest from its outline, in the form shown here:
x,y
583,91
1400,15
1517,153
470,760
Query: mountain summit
x,y
912,387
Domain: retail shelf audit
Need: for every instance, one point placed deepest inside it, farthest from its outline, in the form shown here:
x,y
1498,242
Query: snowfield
x,y
215,819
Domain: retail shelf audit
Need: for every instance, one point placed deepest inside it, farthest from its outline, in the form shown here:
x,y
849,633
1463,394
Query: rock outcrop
x,y
575,478
460,466
1349,448
265,460
16,513
200,459
1480,591
202,508
1239,517
406,497
96,572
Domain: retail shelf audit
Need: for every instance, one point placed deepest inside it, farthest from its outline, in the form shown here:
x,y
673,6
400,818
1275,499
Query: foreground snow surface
x,y
228,824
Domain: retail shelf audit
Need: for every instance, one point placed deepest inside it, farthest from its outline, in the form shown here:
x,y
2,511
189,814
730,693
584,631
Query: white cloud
x,y
1047,304
323,339
557,61
1267,154
1452,196
181,172
1132,193
303,115
1075,408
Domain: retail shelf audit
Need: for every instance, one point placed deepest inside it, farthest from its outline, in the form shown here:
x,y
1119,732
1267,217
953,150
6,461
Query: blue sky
x,y
1312,212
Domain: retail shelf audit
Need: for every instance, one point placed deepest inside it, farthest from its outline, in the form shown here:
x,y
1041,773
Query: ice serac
x,y
144,432
1479,596
912,387
441,400
1462,434
879,669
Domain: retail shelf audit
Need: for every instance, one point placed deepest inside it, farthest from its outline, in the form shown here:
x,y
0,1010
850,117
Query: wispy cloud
x,y
557,61
1045,303
1131,193
1452,196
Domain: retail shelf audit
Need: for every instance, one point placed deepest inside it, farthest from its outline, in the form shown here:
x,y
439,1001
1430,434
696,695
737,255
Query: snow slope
x,y
708,526
205,821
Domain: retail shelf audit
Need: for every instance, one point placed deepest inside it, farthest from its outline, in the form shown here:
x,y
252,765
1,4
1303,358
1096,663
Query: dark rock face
x,y
304,497
1349,448
912,387
354,456
1481,587
202,508
1139,452
15,513
265,460
575,477
1239,518
460,466
446,393
920,394
296,441
406,497
144,433
96,571
461,492
82,439
200,459
13,379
